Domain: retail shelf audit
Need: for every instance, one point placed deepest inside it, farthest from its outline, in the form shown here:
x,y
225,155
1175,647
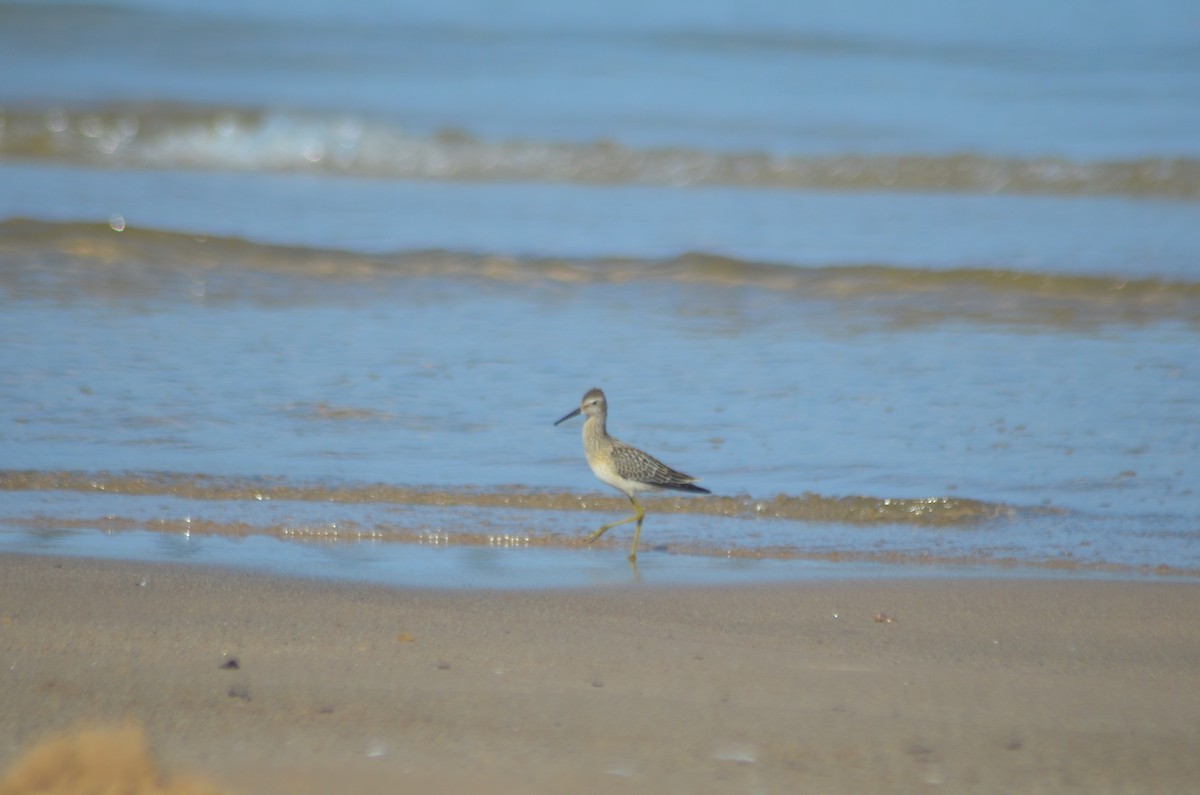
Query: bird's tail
x,y
691,488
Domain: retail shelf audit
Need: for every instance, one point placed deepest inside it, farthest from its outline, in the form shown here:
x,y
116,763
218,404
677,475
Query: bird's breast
x,y
606,473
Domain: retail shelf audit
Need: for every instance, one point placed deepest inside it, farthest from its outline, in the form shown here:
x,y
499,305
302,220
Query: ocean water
x,y
913,289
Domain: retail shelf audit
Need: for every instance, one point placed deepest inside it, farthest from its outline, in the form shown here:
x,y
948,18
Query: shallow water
x,y
958,328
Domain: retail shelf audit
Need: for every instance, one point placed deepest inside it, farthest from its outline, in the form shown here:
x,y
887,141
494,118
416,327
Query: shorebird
x,y
627,469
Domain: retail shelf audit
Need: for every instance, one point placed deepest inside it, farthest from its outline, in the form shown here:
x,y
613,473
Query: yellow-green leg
x,y
637,517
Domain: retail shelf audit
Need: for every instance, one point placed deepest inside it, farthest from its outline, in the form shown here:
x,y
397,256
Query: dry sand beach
x,y
259,685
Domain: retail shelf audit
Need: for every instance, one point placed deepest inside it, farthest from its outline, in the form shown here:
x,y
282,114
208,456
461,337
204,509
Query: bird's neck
x,y
593,428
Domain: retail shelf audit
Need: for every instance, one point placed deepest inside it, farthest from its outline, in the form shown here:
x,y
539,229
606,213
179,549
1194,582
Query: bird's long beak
x,y
569,416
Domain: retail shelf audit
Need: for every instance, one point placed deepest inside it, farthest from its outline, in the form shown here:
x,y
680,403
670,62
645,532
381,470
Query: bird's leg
x,y
641,514
637,517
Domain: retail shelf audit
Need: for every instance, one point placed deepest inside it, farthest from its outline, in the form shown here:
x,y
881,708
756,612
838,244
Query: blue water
x,y
385,242
1076,79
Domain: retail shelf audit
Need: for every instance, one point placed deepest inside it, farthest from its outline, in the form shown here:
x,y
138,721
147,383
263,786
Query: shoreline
x,y
507,564
980,684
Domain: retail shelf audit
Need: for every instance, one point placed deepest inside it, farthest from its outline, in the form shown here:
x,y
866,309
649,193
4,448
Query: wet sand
x,y
259,685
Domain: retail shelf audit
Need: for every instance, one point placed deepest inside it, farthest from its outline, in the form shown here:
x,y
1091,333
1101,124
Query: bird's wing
x,y
632,464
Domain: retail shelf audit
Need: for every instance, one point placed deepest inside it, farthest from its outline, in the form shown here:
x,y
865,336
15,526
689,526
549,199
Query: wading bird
x,y
627,469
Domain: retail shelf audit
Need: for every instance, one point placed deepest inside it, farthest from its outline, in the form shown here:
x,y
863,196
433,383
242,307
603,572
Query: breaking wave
x,y
81,261
173,137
